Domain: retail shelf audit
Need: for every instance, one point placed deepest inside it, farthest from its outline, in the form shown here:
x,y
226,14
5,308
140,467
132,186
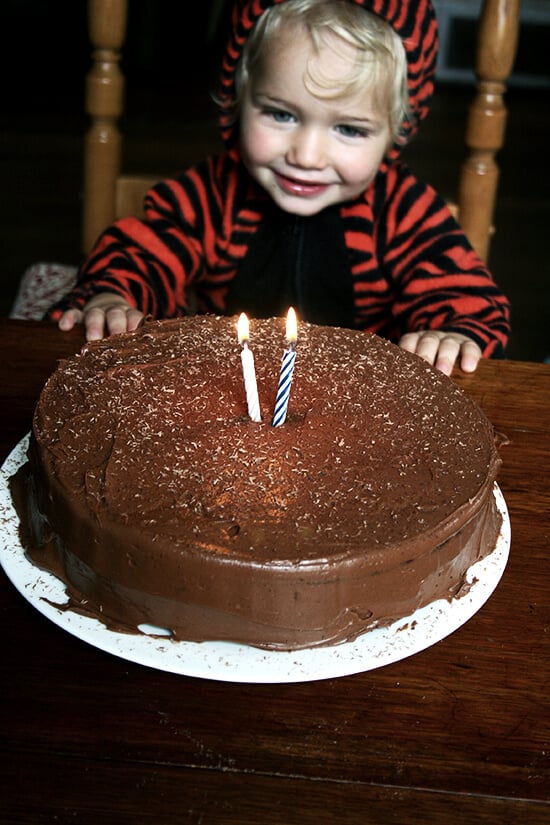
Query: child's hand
x,y
105,314
443,349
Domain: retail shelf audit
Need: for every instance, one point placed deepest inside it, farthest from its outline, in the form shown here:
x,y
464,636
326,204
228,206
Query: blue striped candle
x,y
287,369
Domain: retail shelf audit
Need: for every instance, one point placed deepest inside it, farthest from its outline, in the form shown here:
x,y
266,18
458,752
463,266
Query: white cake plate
x,y
228,662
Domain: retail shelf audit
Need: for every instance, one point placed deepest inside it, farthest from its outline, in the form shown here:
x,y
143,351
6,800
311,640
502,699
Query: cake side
x,y
153,494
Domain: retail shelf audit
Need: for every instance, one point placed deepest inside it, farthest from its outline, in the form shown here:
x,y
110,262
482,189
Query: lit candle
x,y
249,372
287,368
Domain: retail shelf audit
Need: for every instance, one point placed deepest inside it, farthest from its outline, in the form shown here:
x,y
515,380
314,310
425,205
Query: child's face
x,y
308,152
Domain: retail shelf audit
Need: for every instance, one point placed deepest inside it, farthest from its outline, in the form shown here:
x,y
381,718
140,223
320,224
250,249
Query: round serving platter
x,y
228,662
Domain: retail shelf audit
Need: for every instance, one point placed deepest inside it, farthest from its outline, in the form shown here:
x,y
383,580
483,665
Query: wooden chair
x,y
108,194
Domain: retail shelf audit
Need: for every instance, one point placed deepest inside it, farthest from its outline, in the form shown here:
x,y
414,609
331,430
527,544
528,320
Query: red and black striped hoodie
x,y
392,260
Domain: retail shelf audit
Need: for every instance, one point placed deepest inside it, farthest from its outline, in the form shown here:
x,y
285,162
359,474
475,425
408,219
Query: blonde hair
x,y
380,64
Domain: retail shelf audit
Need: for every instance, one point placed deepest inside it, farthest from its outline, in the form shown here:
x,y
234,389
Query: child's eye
x,y
279,115
351,131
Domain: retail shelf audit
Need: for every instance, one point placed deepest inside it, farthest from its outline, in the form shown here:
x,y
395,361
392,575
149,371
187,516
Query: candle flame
x,y
291,326
243,328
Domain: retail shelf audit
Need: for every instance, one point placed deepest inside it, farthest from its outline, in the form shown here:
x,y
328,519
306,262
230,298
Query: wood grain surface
x,y
457,733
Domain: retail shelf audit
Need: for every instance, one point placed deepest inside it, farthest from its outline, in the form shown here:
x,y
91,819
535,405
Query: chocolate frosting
x,y
152,494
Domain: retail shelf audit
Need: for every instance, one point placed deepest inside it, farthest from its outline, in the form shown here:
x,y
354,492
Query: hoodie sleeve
x,y
438,280
152,262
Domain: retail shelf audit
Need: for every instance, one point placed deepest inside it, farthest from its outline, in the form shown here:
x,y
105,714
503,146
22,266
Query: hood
x,y
413,20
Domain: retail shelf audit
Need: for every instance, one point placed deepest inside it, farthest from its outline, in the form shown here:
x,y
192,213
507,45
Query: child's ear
x,y
400,140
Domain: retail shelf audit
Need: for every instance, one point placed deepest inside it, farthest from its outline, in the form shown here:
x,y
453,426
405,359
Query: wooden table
x,y
456,734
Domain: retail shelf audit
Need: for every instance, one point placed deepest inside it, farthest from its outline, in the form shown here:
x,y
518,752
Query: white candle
x,y
287,369
249,373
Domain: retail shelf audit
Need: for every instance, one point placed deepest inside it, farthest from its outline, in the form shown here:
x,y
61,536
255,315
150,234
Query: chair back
x,y
108,194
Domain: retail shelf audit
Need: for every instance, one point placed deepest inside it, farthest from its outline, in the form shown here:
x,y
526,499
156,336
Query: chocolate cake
x,y
153,495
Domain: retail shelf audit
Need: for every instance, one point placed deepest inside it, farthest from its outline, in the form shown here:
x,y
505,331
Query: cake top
x,y
378,447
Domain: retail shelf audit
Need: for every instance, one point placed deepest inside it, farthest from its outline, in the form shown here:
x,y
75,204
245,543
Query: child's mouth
x,y
301,188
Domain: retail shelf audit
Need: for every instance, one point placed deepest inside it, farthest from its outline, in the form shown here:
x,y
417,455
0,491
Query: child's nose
x,y
307,149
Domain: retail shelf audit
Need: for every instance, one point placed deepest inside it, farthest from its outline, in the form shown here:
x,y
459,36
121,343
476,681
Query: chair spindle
x,y
104,105
496,50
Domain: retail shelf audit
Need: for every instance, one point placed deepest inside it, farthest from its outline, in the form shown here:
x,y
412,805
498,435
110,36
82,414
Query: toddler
x,y
310,205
